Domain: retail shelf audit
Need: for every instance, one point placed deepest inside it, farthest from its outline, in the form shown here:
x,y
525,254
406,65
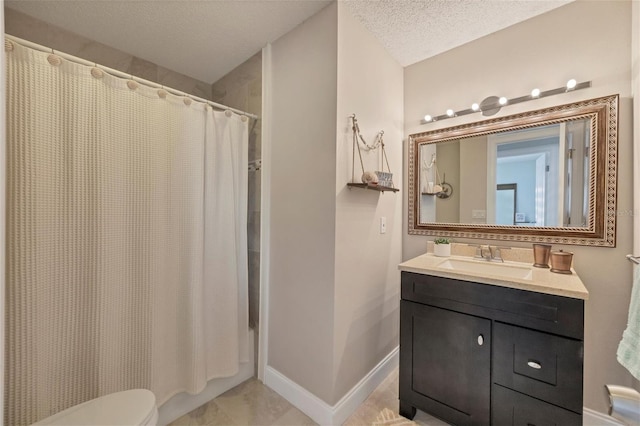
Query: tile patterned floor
x,y
252,403
386,396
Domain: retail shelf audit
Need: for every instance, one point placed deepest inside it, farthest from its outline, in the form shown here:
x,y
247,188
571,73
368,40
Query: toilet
x,y
136,407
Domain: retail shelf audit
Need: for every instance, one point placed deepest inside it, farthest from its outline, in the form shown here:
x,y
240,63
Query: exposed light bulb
x,y
492,104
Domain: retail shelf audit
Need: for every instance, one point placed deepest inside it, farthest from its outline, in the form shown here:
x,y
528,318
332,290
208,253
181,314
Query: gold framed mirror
x,y
561,159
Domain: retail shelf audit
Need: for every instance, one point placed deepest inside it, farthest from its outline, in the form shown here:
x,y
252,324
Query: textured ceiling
x,y
206,39
413,30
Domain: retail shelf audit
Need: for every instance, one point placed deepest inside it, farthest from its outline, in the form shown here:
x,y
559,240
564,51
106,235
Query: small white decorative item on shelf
x,y
385,179
441,247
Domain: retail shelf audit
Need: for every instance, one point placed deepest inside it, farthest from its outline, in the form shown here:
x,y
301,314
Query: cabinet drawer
x,y
513,408
544,312
542,365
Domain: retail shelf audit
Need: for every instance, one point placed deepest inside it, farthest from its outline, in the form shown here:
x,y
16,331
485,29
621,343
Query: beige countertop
x,y
543,280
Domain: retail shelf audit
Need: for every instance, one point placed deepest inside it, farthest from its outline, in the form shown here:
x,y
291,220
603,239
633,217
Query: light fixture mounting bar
x,y
495,106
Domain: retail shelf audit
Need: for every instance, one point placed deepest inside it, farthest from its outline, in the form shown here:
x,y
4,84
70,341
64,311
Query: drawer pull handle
x,y
534,364
480,339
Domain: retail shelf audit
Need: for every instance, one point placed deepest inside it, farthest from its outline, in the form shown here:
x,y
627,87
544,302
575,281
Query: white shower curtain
x,y
127,246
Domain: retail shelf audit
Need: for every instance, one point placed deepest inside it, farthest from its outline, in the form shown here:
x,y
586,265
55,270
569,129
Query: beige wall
x,y
3,147
25,27
635,71
448,163
303,203
334,284
367,281
583,40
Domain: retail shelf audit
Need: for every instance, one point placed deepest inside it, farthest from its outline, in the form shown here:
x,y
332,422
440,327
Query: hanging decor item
x,y
379,180
440,188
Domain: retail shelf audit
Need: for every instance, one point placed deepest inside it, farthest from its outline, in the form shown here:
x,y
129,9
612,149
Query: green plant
x,y
441,240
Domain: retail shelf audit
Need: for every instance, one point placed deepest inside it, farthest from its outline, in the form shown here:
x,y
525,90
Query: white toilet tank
x,y
136,407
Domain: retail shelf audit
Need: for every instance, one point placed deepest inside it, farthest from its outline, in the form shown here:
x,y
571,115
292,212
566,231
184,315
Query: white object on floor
x,y
388,417
136,407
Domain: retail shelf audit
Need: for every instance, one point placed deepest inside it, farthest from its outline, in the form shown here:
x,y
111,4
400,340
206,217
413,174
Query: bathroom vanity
x,y
490,343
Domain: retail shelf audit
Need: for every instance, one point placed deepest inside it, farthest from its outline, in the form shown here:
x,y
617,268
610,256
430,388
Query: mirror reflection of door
x,y
531,159
506,197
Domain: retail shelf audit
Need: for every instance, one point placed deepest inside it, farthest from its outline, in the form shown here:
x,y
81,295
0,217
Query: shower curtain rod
x,y
121,74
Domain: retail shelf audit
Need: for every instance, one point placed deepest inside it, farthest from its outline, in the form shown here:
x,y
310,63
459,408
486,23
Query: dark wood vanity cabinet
x,y
478,354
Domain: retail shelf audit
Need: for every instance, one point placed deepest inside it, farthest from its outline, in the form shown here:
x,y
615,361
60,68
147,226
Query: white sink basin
x,y
483,267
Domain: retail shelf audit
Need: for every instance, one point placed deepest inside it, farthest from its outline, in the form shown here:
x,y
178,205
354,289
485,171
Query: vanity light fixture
x,y
491,105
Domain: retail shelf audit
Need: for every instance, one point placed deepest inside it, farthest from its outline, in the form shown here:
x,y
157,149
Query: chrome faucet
x,y
496,253
480,252
490,253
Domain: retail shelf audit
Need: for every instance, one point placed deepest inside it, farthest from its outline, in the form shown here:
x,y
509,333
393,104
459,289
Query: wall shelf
x,y
372,187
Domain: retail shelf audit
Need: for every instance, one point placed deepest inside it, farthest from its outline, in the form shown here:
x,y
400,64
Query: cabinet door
x,y
449,356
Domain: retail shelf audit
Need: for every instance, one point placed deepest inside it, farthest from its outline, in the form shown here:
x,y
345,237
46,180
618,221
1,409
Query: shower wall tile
x,y
255,96
234,88
168,78
37,31
254,230
255,106
99,53
143,69
238,98
255,180
254,142
26,27
254,288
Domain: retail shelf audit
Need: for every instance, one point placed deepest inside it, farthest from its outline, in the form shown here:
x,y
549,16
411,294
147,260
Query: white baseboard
x,y
594,418
321,412
324,414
